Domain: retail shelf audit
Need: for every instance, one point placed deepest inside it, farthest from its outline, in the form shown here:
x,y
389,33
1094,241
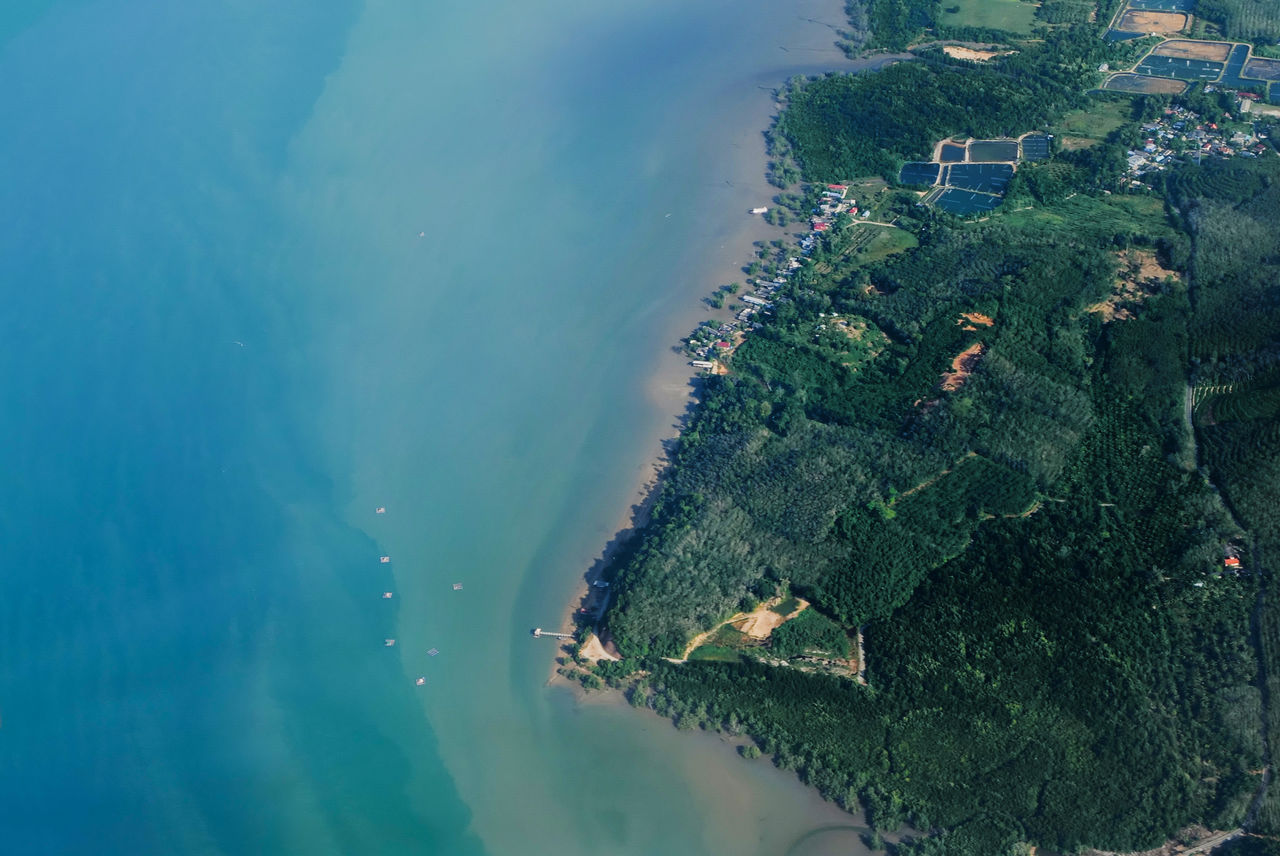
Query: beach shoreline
x,y
673,385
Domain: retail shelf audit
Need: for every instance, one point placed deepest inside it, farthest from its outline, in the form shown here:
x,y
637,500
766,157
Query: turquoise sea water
x,y
224,342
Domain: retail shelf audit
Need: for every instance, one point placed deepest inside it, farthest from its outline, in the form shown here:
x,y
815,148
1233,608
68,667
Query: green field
x,y
885,242
1144,214
1012,15
715,654
1080,128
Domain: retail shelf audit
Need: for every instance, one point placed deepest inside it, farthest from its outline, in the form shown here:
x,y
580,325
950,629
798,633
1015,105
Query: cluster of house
x,y
1180,131
833,204
708,343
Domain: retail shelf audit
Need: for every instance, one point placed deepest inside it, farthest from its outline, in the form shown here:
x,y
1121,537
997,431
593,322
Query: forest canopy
x,y
1048,520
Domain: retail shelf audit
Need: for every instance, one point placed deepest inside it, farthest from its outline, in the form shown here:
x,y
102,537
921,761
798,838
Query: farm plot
x,y
1178,68
962,202
1140,85
993,150
1262,69
1012,15
982,177
1191,49
1034,147
1143,21
917,173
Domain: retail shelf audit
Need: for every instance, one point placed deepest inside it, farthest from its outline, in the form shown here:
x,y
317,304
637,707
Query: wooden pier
x,y
538,632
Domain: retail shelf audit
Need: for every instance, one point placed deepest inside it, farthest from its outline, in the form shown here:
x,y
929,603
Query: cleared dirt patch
x,y
595,652
1265,109
757,624
1139,274
1142,21
1145,85
1149,267
971,54
976,318
1190,49
962,366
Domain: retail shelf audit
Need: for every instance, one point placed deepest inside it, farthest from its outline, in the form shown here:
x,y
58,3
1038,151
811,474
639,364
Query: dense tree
x,y
952,449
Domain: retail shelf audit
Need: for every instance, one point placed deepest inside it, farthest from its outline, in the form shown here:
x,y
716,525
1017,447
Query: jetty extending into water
x,y
538,632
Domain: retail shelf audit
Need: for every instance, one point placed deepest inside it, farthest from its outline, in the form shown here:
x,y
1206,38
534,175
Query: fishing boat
x,y
389,642
420,681
386,595
386,560
381,509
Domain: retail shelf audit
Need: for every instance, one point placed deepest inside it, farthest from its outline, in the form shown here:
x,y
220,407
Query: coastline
x,y
673,386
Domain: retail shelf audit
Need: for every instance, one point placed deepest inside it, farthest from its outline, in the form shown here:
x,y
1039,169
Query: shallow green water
x,y
225,343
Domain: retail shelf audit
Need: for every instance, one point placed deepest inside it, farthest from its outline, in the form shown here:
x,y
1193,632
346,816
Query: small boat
x,y
389,642
457,586
381,509
433,652
386,560
760,210
420,681
386,595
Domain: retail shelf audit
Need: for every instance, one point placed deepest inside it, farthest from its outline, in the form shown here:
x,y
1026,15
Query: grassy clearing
x,y
712,653
728,636
1012,15
865,244
1099,215
1082,128
885,242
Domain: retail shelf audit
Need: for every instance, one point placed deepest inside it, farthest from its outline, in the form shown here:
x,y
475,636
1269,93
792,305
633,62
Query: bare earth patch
x,y
962,366
758,624
1191,49
1263,109
1140,271
971,54
1143,21
595,651
763,621
976,318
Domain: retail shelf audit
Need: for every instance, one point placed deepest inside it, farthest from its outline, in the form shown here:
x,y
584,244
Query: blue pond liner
x,y
962,202
1035,147
1162,5
919,173
983,177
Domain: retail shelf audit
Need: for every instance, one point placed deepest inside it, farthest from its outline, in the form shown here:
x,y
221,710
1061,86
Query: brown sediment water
x,y
504,385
